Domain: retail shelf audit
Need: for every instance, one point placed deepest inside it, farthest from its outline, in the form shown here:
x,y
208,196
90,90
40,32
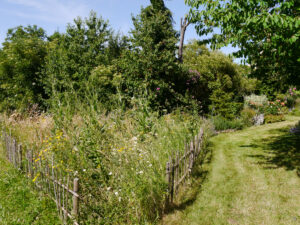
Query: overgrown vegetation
x,y
110,109
19,202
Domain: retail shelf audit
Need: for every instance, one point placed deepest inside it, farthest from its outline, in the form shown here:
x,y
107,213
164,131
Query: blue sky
x,y
54,15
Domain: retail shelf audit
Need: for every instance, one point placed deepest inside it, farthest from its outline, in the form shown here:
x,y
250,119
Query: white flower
x,y
84,170
134,139
141,172
116,193
110,173
120,199
108,188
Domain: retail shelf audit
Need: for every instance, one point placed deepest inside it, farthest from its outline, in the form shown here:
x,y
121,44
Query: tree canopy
x,y
216,80
150,68
267,33
21,58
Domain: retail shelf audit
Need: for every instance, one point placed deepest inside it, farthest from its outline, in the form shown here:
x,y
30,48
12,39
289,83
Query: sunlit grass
x,y
19,203
252,179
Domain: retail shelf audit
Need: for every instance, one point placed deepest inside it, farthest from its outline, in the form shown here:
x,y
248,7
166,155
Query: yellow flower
x,y
37,160
121,149
34,179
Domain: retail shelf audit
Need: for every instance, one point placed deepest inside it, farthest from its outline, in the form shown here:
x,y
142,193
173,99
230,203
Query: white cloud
x,y
58,11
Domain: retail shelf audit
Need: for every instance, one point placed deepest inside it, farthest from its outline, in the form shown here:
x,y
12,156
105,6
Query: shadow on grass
x,y
187,194
281,151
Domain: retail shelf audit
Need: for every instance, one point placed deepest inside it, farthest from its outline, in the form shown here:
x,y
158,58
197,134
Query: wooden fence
x,y
63,189
46,178
180,166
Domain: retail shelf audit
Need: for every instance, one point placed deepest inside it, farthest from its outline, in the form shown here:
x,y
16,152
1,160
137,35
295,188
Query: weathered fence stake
x,y
20,157
168,175
75,198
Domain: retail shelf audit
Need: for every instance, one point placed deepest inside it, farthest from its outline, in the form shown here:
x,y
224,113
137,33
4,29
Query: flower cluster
x,y
193,80
292,91
275,107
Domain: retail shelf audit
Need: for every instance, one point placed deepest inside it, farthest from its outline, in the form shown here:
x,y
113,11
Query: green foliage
x,y
215,81
237,168
291,97
119,157
267,33
257,100
223,104
275,108
247,116
19,204
81,59
222,123
21,59
149,67
260,104
273,118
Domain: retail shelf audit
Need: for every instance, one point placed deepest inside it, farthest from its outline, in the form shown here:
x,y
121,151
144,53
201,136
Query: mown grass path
x,y
253,179
20,204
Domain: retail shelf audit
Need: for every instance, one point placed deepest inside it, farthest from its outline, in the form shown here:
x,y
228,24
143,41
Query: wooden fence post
x,y
172,180
15,146
169,183
8,147
176,172
75,198
29,159
20,157
191,158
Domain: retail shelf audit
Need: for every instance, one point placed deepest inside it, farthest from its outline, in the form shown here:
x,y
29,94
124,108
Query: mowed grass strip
x,y
253,179
19,203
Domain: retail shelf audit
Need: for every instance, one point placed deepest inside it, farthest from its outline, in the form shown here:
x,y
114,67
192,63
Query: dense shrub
x,y
215,81
273,118
256,102
247,116
221,123
275,108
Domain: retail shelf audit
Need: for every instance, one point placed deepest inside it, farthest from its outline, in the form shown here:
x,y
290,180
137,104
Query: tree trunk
x,y
183,25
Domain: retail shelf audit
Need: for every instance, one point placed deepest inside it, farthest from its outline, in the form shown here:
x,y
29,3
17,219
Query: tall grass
x,y
119,156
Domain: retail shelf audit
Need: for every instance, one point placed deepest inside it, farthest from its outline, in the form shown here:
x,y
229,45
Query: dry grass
x,y
125,152
29,130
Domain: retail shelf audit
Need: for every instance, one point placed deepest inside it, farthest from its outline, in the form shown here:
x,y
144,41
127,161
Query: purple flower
x,y
157,89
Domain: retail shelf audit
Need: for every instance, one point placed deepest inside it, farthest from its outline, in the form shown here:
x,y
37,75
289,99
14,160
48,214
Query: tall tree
x,y
150,67
87,44
267,33
21,58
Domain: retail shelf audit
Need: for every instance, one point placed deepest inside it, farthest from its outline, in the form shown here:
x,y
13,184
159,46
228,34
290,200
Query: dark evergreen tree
x,y
150,68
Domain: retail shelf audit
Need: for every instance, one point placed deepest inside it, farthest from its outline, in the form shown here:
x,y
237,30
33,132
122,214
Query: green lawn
x,y
253,178
19,204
